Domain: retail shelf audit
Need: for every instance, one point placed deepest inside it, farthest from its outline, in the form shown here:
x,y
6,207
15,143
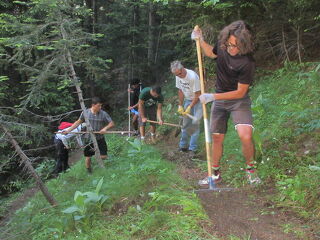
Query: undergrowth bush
x,y
137,196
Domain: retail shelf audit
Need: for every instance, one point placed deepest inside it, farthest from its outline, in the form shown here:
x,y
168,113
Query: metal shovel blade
x,y
178,130
189,125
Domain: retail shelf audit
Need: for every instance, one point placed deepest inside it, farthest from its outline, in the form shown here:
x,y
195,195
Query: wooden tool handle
x,y
108,132
169,124
205,115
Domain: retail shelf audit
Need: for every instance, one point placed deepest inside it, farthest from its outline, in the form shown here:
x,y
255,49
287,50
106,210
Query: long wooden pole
x,y
169,124
108,132
129,113
204,109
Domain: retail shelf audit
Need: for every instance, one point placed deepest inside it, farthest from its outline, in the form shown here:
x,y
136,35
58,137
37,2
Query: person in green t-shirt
x,y
150,107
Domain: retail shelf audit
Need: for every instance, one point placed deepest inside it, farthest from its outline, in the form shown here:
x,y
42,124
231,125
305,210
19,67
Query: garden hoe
x,y
212,186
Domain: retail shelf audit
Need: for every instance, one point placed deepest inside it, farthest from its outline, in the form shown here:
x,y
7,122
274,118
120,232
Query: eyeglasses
x,y
230,45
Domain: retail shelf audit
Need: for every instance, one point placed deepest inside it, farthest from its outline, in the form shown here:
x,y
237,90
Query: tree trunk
x,y
27,163
135,16
158,43
151,34
285,45
94,16
298,44
80,96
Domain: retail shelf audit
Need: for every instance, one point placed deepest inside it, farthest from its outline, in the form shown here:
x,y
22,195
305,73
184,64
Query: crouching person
x,y
101,122
150,108
63,144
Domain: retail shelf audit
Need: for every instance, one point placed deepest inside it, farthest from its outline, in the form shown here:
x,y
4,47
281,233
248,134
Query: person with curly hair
x,y
235,67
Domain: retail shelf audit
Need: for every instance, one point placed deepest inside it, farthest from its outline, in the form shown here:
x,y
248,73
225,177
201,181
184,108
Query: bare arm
x,y
106,128
181,97
239,93
134,106
159,112
141,108
195,99
207,49
74,126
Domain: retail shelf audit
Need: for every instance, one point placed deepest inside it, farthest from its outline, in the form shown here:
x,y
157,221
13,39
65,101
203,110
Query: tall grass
x,y
287,126
141,197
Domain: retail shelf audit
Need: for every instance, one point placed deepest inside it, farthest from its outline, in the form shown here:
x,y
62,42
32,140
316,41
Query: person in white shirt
x,y
188,84
62,144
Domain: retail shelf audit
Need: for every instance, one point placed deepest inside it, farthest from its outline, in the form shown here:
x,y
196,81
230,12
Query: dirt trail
x,y
233,213
22,200
245,213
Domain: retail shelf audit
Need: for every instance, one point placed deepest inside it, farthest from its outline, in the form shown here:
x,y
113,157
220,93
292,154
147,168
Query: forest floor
x,y
244,213
28,193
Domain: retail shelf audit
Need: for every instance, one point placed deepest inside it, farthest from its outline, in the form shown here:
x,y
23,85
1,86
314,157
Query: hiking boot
x,y
216,177
252,176
183,150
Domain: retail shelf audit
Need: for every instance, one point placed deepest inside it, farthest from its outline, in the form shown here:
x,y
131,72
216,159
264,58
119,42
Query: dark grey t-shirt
x,y
232,70
98,120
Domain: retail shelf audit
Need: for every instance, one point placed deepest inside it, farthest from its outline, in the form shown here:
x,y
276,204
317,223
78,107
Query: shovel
x,y
189,126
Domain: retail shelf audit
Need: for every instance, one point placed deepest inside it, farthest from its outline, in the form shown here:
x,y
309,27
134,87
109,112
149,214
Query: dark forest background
x,y
111,42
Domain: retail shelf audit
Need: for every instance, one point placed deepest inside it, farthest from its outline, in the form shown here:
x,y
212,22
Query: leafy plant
x,y
83,201
136,147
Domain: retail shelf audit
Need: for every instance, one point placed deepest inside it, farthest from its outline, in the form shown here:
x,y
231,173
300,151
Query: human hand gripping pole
x,y
180,110
187,111
196,34
206,98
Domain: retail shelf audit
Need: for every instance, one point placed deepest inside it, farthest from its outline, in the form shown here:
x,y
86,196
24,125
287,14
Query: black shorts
x,y
89,149
150,113
239,109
